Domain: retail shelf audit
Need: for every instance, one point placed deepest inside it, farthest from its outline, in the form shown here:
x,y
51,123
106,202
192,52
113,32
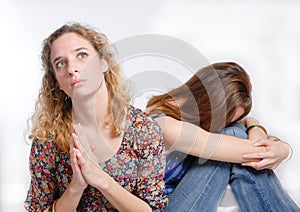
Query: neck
x,y
89,112
90,109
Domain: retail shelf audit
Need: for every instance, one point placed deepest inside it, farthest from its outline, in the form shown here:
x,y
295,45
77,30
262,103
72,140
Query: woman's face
x,y
77,65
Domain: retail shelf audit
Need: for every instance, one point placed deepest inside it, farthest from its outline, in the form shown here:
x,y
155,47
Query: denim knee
x,y
236,130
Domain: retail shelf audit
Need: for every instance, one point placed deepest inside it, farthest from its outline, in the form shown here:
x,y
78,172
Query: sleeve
x,y
151,168
42,170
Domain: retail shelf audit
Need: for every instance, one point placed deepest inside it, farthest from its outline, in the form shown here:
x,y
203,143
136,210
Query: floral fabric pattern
x,y
138,166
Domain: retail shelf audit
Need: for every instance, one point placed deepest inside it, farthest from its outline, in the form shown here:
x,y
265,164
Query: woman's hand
x,y
91,172
78,181
275,153
71,197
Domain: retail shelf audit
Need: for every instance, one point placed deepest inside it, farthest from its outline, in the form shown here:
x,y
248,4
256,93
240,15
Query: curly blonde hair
x,y
53,109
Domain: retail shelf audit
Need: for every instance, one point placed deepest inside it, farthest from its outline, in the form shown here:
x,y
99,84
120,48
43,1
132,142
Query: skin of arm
x,y
255,134
276,151
69,200
190,139
71,197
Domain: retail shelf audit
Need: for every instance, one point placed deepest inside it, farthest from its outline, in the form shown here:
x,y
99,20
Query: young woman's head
x,y
54,106
212,98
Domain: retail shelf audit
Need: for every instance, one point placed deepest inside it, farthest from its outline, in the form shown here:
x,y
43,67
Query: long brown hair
x,y
53,115
209,98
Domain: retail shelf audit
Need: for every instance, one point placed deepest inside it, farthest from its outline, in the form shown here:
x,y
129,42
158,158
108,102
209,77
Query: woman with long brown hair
x,y
214,100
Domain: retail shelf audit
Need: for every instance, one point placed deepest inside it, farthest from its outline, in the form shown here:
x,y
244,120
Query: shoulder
x,y
47,147
144,130
168,123
139,119
43,151
136,113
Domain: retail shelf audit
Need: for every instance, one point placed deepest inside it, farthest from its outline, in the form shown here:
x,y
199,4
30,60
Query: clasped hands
x,y
85,170
275,153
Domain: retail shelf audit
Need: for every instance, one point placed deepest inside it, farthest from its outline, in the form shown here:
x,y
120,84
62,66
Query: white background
x,y
261,35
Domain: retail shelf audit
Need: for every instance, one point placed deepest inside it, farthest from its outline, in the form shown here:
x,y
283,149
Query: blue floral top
x,y
138,166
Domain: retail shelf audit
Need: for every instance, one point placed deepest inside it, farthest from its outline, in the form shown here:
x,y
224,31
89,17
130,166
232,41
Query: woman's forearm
x,y
69,200
230,149
119,197
190,139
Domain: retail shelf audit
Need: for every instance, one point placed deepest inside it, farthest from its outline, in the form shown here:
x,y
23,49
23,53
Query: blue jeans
x,y
202,187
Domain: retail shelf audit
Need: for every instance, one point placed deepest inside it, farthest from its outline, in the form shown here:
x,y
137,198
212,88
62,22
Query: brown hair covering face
x,y
209,99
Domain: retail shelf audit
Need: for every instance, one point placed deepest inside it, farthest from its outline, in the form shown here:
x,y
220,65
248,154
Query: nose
x,y
72,69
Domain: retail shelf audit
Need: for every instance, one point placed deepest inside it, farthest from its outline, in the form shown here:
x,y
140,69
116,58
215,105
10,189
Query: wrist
x,y
289,148
290,152
104,183
75,189
256,126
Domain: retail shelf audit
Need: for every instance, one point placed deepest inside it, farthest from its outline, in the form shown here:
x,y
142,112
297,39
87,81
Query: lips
x,y
76,83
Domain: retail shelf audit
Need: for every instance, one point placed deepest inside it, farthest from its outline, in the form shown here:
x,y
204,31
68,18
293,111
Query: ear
x,y
104,65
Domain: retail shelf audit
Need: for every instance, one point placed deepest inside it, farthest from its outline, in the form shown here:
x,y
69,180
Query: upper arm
x,y
182,136
151,165
42,186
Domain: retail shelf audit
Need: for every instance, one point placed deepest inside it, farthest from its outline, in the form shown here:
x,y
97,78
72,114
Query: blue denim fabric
x,y
177,165
203,186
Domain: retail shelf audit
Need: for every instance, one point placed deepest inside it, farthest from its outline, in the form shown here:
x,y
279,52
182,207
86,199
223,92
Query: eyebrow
x,y
75,50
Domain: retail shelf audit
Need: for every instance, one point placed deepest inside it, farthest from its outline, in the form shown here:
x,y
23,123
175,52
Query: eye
x,y
82,55
60,64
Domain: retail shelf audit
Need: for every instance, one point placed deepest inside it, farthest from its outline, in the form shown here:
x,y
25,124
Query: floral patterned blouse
x,y
138,166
